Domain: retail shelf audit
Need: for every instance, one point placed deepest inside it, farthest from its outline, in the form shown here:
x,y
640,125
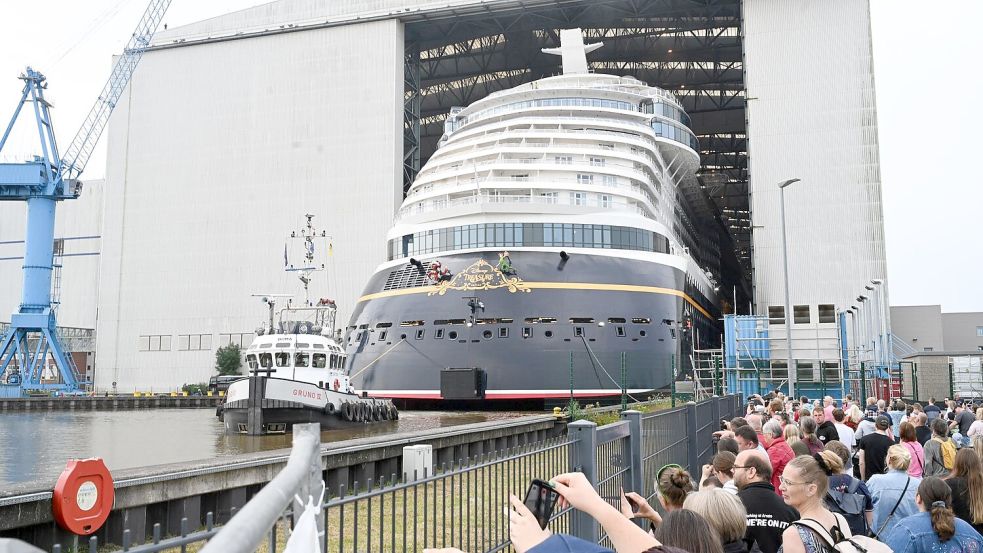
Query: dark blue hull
x,y
592,323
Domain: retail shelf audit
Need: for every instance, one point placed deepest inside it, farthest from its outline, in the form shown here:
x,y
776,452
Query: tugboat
x,y
297,367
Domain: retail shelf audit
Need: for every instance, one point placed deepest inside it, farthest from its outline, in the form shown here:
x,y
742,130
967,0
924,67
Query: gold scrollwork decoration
x,y
481,275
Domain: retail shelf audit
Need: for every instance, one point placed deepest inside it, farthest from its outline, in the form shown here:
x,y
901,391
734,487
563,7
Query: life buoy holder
x,y
347,411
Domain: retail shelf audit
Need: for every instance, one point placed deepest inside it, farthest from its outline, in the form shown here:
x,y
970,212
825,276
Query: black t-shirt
x,y
960,501
827,433
965,420
923,434
767,516
875,448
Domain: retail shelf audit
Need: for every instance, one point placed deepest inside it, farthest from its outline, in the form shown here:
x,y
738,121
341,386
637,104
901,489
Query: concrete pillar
x,y
337,478
133,519
227,500
189,508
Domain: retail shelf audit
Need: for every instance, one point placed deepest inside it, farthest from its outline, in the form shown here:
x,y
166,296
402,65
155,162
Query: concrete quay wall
x,y
107,403
166,494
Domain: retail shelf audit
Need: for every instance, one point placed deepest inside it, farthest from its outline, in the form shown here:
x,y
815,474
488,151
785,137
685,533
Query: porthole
x,y
382,335
548,334
503,332
402,336
452,335
486,334
439,333
642,333
578,331
419,334
621,331
526,332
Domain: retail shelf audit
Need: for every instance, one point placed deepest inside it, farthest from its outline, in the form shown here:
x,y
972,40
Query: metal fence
x,y
464,505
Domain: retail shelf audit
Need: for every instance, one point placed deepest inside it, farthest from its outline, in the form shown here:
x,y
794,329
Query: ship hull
x,y
620,322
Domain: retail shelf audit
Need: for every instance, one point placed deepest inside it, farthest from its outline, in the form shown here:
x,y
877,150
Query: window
x,y
606,146
527,332
320,360
195,342
621,331
609,180
979,331
266,360
439,334
604,200
503,332
929,349
827,313
548,334
578,198
382,335
581,320
282,359
486,334
597,161
419,334
411,323
154,343
776,314
240,339
252,362
641,320
521,177
301,359
800,314
563,160
549,197
452,335
578,331
616,320
583,178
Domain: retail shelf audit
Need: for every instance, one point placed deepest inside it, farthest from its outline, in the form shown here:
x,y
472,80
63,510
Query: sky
x,y
933,203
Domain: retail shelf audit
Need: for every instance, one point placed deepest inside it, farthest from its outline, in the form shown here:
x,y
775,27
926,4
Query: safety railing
x,y
465,504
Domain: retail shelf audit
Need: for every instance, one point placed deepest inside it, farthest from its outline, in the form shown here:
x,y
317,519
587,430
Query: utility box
x,y
418,460
462,383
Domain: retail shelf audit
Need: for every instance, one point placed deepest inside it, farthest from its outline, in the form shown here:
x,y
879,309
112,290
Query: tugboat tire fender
x,y
376,414
329,408
347,412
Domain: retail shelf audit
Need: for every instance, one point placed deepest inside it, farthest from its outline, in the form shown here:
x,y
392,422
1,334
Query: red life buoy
x,y
336,384
83,496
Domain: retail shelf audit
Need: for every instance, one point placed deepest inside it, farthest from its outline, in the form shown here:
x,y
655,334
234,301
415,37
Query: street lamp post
x,y
788,303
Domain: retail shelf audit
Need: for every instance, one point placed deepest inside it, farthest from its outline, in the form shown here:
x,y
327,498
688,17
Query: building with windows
x,y
926,328
234,127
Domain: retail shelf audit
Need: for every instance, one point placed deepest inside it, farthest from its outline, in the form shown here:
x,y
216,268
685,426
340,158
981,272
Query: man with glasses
x,y
767,513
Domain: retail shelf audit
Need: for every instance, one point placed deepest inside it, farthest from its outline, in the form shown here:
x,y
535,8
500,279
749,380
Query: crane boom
x,y
41,183
78,152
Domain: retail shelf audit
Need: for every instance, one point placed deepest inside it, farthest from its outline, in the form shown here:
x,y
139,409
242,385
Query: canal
x,y
35,445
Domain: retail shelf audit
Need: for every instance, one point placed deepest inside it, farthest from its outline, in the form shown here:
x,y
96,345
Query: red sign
x,y
83,496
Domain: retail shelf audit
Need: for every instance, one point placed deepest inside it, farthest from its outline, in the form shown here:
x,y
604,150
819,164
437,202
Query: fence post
x,y
715,409
692,448
635,440
312,485
584,432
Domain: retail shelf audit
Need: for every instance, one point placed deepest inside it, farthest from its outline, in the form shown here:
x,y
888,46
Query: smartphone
x,y
633,503
540,499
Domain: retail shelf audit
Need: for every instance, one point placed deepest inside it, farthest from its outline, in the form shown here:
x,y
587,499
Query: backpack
x,y
844,542
850,504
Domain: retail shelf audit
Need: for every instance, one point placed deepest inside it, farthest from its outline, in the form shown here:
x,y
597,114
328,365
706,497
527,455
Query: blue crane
x,y
42,183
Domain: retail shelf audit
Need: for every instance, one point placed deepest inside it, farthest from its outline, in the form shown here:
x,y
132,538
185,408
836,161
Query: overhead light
x,y
670,50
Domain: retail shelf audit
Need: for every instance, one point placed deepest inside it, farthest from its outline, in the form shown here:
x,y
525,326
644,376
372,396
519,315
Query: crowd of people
x,y
800,476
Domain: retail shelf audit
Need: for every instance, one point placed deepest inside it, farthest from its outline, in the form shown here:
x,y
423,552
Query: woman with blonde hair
x,y
803,487
893,492
791,434
847,495
976,429
854,416
725,513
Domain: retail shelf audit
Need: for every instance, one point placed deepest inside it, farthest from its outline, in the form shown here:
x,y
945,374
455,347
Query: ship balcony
x,y
569,203
520,168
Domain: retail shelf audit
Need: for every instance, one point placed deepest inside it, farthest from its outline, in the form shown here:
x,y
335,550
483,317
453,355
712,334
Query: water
x,y
35,446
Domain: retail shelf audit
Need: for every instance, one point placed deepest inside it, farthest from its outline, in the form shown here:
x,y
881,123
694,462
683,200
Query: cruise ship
x,y
544,250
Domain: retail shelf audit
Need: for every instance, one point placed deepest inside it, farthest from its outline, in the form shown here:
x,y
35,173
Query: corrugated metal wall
x,y
812,115
216,152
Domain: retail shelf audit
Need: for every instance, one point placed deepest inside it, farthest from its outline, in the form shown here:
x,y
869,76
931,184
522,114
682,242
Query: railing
x,y
463,505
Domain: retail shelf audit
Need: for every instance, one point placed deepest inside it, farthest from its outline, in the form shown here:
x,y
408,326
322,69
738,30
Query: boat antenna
x,y
312,243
